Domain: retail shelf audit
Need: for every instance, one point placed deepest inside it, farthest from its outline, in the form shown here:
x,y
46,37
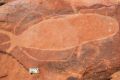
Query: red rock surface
x,y
116,76
97,60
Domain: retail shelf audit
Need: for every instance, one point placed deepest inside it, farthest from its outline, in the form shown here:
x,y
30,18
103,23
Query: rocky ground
x,y
100,60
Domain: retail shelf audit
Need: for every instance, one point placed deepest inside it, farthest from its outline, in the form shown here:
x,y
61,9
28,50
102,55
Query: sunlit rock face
x,y
116,76
98,60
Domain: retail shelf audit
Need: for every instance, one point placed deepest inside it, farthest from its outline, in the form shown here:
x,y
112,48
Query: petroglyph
x,y
64,33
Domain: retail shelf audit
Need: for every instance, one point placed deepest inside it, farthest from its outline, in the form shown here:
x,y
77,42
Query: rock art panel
x,y
63,33
87,49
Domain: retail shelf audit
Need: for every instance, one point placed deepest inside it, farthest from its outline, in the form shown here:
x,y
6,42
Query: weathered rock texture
x,y
116,76
98,60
